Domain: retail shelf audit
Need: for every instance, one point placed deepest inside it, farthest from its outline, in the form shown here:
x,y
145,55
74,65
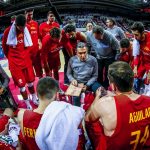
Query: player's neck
x,y
124,93
111,27
49,22
42,106
143,37
131,95
28,21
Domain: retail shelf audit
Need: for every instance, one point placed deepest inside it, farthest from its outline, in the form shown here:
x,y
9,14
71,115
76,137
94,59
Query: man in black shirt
x,y
6,98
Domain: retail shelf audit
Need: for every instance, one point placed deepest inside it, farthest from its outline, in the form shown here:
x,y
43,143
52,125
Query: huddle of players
x,y
47,41
47,46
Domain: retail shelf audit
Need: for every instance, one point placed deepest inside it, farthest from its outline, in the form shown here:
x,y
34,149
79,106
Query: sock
x,y
35,99
28,104
31,88
24,93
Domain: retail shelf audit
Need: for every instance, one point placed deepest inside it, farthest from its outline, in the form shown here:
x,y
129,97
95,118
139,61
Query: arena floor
x,y
15,90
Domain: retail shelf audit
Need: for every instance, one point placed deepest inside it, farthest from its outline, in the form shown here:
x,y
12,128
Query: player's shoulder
x,y
43,24
92,58
28,26
104,101
7,30
33,21
56,24
20,114
46,38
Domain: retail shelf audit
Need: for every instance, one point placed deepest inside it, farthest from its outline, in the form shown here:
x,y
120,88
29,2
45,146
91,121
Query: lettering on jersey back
x,y
29,132
140,138
139,115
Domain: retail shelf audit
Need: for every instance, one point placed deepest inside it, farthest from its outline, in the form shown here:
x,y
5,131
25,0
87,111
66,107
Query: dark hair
x,y
112,20
55,32
138,26
29,10
50,12
20,20
47,87
98,29
81,45
121,74
125,43
70,28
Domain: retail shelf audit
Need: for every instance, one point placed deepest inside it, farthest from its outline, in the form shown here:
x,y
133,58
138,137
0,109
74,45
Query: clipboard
x,y
73,90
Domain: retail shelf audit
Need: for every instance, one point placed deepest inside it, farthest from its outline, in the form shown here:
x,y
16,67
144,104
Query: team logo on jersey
x,y
46,30
56,49
33,28
33,32
147,49
20,41
20,35
20,81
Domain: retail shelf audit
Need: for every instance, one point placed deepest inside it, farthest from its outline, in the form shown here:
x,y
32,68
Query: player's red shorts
x,y
23,76
22,141
54,62
36,61
4,120
95,133
4,146
141,70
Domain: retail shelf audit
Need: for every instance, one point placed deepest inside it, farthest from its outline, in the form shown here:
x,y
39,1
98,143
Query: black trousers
x,y
103,65
66,58
7,100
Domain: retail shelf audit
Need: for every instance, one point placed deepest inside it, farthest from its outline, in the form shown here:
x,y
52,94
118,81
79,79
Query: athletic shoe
x,y
34,99
28,104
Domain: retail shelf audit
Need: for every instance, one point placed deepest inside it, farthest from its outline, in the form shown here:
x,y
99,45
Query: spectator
x,y
89,27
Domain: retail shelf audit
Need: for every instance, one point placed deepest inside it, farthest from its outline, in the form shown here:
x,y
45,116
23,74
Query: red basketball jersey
x,y
133,124
34,31
31,122
71,44
18,56
44,28
145,51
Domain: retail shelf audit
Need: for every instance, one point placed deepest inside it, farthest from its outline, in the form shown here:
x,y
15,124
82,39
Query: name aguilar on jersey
x,y
139,115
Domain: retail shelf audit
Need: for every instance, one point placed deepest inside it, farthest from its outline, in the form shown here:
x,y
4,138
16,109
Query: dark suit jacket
x,y
4,79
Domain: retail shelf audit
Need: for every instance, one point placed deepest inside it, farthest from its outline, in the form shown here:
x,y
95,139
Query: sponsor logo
x,y
20,41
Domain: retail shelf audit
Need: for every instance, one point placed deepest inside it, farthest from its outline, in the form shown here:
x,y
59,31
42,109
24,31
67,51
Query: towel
x,y
136,48
58,128
147,90
12,38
